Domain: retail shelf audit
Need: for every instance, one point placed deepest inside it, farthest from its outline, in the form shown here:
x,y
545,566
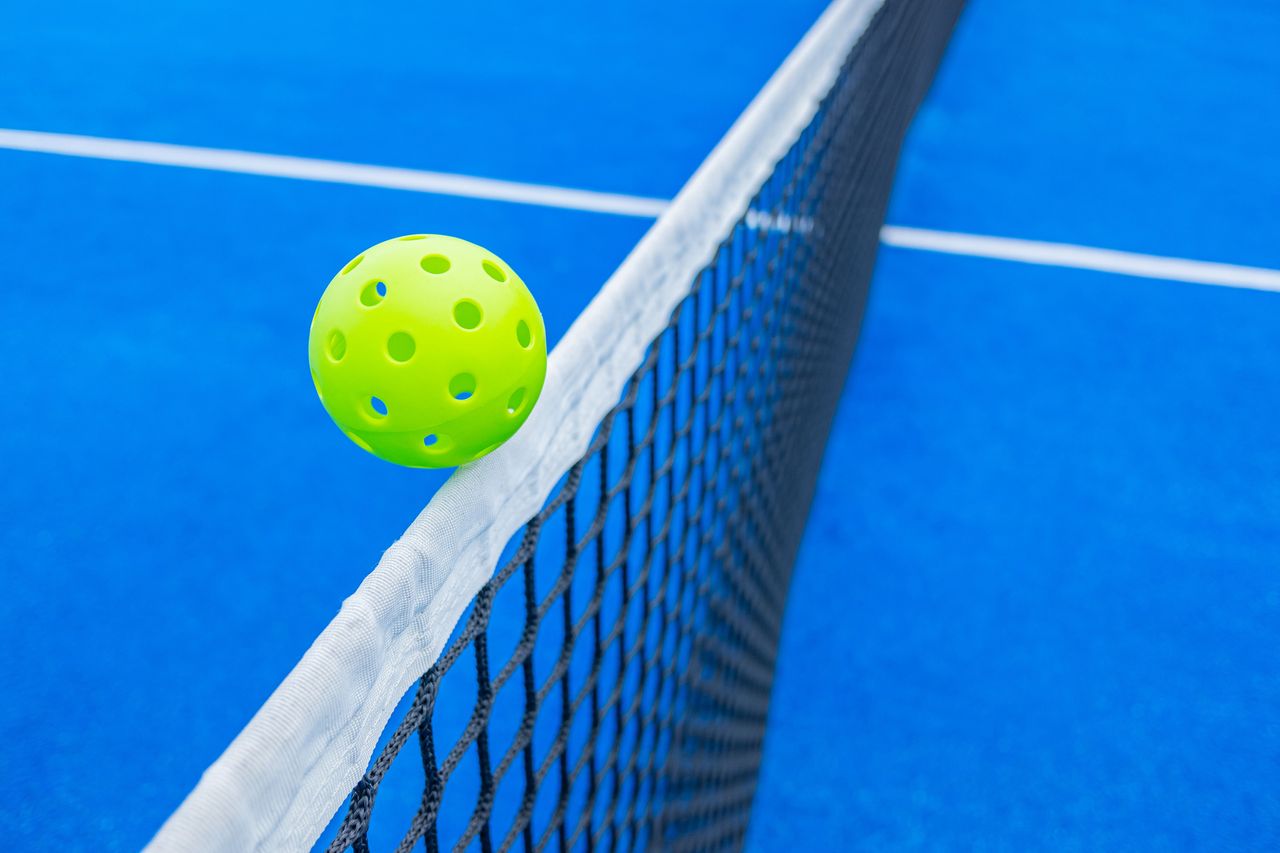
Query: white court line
x,y
1081,257
443,183
330,171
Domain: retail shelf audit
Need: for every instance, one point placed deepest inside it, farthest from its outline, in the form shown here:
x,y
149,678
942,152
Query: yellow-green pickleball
x,y
428,351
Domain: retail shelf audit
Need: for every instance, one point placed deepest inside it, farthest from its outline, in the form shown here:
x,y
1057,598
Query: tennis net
x,y
592,613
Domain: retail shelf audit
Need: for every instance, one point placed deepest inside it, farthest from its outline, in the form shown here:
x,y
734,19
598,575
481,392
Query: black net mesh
x,y
609,687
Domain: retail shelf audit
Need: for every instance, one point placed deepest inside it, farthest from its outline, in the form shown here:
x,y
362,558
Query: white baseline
x,y
566,198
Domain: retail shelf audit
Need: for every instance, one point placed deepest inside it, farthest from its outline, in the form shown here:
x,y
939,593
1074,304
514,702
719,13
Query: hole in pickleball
x,y
401,346
514,401
523,335
462,386
379,408
431,440
435,264
352,264
335,346
373,293
467,314
494,271
414,237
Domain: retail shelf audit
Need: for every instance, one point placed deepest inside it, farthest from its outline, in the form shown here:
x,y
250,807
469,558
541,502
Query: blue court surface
x,y
1038,603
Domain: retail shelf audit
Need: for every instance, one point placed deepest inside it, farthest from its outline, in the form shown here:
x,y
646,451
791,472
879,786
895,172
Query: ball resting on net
x,y
428,351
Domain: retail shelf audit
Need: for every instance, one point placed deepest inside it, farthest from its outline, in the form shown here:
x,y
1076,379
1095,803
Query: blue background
x,y
1037,604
